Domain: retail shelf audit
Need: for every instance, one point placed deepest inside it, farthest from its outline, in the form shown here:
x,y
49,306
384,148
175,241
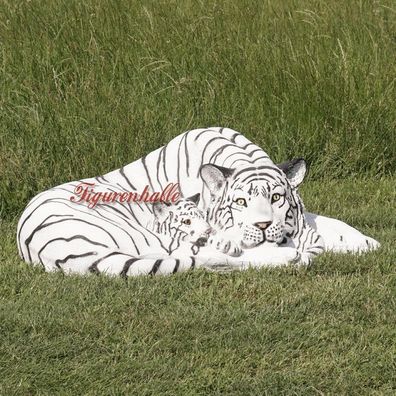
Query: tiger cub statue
x,y
180,228
181,223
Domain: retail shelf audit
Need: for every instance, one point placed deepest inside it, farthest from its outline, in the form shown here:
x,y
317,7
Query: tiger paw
x,y
304,259
351,243
340,237
225,245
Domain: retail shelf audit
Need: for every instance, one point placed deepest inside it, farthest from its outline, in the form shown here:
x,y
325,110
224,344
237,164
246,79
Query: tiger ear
x,y
295,171
161,209
194,198
214,176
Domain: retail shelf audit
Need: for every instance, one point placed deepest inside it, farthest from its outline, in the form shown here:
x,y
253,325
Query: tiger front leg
x,y
225,244
309,244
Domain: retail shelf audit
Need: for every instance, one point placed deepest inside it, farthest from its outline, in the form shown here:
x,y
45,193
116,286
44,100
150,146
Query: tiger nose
x,y
201,241
263,225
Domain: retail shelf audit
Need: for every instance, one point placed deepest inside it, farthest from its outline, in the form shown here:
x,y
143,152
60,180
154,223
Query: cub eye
x,y
241,202
186,221
275,197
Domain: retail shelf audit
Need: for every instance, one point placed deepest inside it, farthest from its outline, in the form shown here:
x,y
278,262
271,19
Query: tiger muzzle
x,y
201,241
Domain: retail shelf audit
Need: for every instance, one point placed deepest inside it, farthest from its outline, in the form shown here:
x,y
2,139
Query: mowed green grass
x,y
86,87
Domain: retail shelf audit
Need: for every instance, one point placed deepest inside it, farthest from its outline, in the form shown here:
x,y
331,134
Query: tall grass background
x,y
87,87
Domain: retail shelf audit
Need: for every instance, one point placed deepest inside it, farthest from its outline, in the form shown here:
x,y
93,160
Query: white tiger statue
x,y
249,214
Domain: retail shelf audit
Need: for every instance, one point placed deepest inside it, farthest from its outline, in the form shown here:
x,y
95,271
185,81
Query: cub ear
x,y
214,176
161,209
194,198
295,171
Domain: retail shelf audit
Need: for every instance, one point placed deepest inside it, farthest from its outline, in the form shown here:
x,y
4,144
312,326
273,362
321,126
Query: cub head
x,y
182,220
256,203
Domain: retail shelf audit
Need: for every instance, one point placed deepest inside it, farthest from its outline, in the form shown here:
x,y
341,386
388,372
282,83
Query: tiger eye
x,y
275,197
241,202
186,221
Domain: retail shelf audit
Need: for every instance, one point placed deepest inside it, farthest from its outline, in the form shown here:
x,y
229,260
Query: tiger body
x,y
222,166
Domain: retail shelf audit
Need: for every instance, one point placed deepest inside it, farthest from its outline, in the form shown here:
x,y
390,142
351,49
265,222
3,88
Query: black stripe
x,y
176,266
219,151
178,163
72,256
94,266
192,262
127,265
155,267
234,136
68,240
164,162
187,156
112,207
126,179
203,132
147,172
307,235
266,178
259,168
250,155
158,168
103,178
207,144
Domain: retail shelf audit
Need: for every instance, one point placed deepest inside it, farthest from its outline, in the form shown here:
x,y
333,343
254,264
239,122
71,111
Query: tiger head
x,y
255,204
182,220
